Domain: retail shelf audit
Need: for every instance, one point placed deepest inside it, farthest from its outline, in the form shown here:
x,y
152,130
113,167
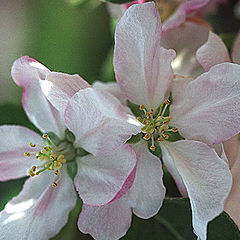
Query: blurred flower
x,y
204,110
173,12
100,127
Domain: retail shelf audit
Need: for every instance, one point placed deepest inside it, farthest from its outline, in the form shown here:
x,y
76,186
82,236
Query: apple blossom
x,y
93,156
219,54
203,109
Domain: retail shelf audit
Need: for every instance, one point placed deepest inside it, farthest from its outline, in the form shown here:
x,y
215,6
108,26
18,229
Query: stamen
x,y
160,139
147,136
27,154
32,145
56,172
174,129
153,148
45,136
167,101
142,107
165,136
139,119
54,184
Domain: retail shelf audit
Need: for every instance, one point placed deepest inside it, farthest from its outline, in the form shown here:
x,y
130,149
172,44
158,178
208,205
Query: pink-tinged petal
x,y
60,87
207,109
147,192
212,52
28,73
108,222
40,210
207,178
185,40
236,50
231,148
179,16
232,204
14,142
112,88
143,68
99,121
171,167
100,179
219,149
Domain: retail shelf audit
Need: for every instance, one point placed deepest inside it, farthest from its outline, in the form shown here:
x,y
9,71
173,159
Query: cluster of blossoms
x,y
181,76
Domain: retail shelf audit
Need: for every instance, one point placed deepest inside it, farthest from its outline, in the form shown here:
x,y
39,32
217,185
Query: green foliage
x,y
173,222
69,39
15,115
135,138
72,169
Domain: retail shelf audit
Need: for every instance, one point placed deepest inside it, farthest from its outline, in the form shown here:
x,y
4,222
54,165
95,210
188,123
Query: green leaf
x,y
135,109
14,114
173,222
72,168
69,136
135,138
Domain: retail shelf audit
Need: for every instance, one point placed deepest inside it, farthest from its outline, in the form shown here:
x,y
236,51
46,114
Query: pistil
x,y
156,125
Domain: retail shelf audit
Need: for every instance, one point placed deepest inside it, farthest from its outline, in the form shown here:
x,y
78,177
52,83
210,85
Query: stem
x,y
168,226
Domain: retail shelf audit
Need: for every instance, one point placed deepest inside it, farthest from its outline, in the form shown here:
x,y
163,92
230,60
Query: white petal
x,y
60,87
99,121
147,192
100,179
212,52
207,109
28,73
40,210
185,40
207,178
14,142
108,222
143,68
170,165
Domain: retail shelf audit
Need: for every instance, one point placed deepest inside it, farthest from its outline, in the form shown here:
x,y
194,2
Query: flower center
x,y
156,126
51,156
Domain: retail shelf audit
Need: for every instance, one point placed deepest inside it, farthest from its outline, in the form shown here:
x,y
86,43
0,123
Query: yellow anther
x,y
160,139
56,172
61,159
45,136
31,173
167,101
163,128
33,168
147,136
57,165
147,114
153,148
32,145
174,129
27,154
165,136
54,184
52,157
139,119
46,149
142,107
